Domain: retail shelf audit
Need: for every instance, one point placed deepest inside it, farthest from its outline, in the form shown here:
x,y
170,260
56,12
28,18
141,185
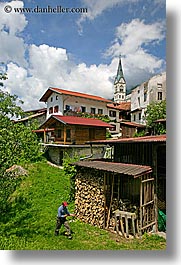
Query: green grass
x,y
31,221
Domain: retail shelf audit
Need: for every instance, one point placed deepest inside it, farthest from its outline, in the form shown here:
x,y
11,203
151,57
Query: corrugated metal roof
x,y
151,138
121,168
71,93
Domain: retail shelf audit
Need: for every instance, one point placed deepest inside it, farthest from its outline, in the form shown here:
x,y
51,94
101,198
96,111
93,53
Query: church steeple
x,y
119,72
119,84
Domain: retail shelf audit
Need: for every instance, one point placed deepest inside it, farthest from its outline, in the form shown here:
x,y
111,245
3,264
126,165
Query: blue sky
x,y
80,51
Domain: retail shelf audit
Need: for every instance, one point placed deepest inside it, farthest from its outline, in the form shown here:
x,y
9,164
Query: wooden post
x,y
126,222
44,136
141,202
108,217
133,226
64,134
104,188
154,159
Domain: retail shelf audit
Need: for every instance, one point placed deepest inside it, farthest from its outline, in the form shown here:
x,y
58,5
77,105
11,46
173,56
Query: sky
x,y
79,51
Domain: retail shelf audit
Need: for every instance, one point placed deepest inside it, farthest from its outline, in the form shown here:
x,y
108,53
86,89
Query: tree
x,y
154,112
17,145
17,142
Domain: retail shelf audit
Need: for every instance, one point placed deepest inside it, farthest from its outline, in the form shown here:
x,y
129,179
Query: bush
x,y
70,171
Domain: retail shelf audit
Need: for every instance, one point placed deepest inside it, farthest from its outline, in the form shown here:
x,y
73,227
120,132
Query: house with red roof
x,y
66,102
73,130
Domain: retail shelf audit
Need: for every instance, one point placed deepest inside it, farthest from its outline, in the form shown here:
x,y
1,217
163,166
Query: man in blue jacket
x,y
61,219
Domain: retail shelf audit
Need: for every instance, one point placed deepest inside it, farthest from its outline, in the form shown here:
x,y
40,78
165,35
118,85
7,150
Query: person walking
x,y
63,212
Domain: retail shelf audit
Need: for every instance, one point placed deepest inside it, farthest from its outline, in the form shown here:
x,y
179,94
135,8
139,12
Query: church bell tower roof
x,y
119,72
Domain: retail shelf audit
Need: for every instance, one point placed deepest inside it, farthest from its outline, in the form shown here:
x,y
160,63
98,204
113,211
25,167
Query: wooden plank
x,y
122,227
126,222
146,226
116,223
148,203
146,180
133,226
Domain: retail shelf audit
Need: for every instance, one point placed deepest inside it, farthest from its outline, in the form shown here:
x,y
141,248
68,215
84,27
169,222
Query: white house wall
x,y
55,100
75,104
145,94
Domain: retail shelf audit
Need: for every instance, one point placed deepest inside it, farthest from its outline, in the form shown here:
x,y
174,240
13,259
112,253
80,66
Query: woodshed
x,y
116,196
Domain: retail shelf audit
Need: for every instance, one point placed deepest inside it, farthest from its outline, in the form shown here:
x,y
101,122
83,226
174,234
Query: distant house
x,y
118,112
38,115
154,90
129,129
72,129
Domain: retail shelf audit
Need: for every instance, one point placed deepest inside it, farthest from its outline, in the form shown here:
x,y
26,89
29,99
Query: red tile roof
x,y
50,90
121,168
79,121
151,138
120,106
132,124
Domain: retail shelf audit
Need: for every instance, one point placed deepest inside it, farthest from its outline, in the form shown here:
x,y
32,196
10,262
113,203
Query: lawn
x,y
31,220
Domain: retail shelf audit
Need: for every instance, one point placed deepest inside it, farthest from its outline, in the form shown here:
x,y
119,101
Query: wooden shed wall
x,y
127,131
79,134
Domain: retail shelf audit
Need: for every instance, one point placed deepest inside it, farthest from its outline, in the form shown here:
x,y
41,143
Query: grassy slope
x,y
32,219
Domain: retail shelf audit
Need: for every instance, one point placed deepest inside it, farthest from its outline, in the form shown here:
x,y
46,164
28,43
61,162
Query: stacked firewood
x,y
89,199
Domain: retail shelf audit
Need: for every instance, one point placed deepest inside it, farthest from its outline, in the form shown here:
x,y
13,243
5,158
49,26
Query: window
x,y
51,99
139,101
93,111
159,95
134,117
145,96
50,110
56,97
59,133
112,113
68,134
100,111
55,109
159,86
139,116
67,107
83,109
121,90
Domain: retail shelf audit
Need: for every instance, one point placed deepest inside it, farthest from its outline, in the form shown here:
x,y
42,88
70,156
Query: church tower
x,y
119,85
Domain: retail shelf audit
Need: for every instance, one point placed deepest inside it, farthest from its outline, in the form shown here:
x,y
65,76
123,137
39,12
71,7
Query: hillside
x,y
32,214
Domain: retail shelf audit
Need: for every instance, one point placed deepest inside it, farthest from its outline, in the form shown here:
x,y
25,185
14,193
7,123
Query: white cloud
x,y
12,47
131,40
29,77
96,8
130,37
50,66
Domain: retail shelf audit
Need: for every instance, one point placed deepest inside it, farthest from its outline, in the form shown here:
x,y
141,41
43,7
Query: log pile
x,y
89,198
